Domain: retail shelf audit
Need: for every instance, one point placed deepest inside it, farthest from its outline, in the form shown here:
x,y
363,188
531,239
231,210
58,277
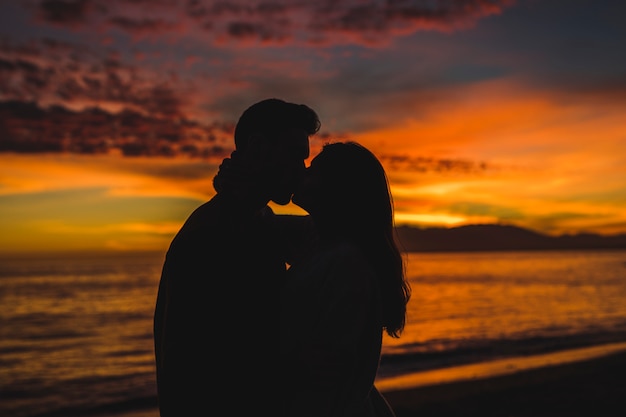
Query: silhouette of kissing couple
x,y
259,313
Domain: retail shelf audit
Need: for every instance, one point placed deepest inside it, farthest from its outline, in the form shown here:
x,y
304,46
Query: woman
x,y
344,291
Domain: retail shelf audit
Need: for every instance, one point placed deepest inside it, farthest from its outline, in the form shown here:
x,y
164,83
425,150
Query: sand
x,y
577,383
584,388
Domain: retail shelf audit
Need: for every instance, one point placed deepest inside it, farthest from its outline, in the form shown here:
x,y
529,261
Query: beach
x,y
592,387
508,334
584,388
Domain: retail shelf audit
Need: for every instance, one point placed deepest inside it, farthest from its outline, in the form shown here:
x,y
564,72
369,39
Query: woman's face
x,y
286,164
308,194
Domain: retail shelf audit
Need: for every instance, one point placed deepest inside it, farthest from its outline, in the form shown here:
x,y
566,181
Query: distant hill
x,y
493,237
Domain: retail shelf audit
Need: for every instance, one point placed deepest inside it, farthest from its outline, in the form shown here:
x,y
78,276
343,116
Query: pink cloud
x,y
68,13
62,97
50,72
377,22
367,22
28,128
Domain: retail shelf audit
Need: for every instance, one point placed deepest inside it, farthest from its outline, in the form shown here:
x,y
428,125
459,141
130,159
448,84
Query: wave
x,y
148,402
443,354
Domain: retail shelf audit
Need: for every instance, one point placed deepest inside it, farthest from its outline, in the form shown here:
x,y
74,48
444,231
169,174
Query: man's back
x,y
216,311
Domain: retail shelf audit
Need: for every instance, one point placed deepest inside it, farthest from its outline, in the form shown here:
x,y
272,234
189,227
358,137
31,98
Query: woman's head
x,y
347,194
345,188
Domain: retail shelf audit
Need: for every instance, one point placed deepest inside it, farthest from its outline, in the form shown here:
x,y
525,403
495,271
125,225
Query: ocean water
x,y
76,331
76,335
472,307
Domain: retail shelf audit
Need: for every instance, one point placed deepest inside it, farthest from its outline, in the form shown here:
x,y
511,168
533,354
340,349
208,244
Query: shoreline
x,y
496,367
583,382
590,383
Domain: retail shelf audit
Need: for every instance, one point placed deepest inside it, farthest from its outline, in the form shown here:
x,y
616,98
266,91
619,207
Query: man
x,y
218,301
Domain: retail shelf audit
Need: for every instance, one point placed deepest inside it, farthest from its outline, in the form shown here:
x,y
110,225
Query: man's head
x,y
275,135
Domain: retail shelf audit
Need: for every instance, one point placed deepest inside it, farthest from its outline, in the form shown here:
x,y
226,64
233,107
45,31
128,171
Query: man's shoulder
x,y
216,210
221,205
206,217
221,215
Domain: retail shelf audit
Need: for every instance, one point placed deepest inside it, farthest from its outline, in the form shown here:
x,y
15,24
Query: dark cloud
x,y
59,97
52,72
185,170
26,127
278,21
468,208
64,12
371,19
254,31
439,165
142,26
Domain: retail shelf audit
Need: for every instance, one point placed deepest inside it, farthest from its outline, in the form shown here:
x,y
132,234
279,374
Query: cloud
x,y
422,164
280,21
56,72
26,127
64,12
64,97
143,26
60,97
184,182
478,209
369,22
88,218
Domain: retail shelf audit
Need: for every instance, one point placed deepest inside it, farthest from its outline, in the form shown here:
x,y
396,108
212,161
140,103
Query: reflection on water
x,y
464,297
76,334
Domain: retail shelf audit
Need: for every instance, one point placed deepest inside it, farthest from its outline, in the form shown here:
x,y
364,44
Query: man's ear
x,y
258,146
256,140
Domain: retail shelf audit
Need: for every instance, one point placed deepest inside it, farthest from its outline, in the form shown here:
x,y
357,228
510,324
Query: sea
x,y
76,329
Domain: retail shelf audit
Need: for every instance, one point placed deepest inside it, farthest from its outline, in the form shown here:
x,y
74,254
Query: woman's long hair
x,y
362,208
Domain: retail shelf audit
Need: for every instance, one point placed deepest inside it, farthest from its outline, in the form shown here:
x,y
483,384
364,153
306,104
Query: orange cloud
x,y
142,177
77,202
510,154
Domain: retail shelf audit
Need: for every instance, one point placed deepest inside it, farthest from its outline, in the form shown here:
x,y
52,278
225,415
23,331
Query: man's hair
x,y
271,116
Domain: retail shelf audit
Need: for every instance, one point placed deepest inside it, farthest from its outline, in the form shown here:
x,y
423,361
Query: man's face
x,y
286,167
308,195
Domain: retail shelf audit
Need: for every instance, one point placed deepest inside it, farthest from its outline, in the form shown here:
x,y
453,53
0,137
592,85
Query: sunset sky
x,y
114,114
